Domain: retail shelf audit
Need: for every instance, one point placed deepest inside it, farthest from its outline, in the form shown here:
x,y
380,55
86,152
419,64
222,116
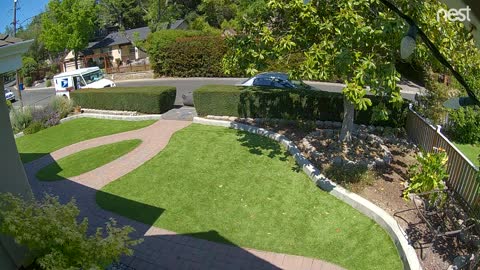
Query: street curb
x,y
113,117
387,222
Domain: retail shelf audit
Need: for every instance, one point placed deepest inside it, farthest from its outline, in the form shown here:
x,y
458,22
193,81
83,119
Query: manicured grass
x,y
86,160
471,151
244,189
36,145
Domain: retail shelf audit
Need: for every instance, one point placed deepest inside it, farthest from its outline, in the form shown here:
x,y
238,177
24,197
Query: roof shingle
x,y
8,40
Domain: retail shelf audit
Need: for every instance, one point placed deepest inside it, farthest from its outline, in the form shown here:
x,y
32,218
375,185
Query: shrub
x,y
429,174
159,40
34,127
48,83
464,125
193,57
55,237
62,106
29,66
20,118
28,81
9,105
152,99
284,104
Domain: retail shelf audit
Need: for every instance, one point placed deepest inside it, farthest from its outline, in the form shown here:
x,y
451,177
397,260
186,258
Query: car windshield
x,y
93,76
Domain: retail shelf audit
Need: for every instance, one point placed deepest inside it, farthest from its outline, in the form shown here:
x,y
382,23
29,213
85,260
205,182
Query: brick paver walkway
x,y
161,249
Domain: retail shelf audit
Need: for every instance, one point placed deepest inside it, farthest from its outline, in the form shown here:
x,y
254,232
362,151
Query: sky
x,y
28,8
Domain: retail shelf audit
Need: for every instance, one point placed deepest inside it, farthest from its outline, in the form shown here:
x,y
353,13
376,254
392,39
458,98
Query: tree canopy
x,y
356,42
68,25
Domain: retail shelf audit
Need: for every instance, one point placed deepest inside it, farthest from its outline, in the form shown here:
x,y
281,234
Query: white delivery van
x,y
91,77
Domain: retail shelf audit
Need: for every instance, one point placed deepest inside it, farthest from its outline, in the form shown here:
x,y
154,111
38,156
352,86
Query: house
x,y
13,178
116,49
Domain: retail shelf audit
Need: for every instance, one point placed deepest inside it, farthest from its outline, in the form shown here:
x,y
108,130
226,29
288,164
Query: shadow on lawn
x,y
160,249
259,145
28,157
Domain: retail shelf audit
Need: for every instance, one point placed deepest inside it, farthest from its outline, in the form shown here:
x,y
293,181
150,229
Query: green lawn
x,y
240,188
36,145
471,151
86,160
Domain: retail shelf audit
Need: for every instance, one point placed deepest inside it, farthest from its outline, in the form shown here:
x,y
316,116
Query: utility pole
x,y
17,79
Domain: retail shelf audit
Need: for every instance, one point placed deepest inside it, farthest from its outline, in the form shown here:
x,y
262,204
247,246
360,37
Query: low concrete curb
x,y
18,135
407,252
113,117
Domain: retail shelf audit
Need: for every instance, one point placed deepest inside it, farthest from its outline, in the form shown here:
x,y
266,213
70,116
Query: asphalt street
x,y
42,96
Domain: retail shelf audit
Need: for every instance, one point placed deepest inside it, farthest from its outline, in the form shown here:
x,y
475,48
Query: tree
x,y
68,25
127,14
356,41
56,239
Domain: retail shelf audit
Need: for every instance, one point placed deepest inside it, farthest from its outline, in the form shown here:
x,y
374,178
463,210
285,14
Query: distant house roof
x,y
8,40
118,38
126,37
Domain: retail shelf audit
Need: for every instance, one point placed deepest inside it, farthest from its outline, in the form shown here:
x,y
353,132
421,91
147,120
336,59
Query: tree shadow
x,y
259,145
161,249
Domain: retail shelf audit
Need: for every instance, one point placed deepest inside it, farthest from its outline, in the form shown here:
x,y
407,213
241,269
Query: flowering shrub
x,y
429,174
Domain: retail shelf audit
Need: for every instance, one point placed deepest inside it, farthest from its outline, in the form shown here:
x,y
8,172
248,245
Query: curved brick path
x,y
161,249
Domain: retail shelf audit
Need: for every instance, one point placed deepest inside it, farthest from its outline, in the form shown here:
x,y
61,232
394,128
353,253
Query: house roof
x,y
8,40
126,37
11,50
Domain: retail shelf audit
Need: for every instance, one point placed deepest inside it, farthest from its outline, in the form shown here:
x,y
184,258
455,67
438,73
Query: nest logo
x,y
454,15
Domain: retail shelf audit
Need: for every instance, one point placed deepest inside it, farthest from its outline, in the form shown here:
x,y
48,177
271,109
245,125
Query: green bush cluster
x,y
32,120
157,41
464,125
193,57
151,99
28,81
48,83
186,53
285,104
57,238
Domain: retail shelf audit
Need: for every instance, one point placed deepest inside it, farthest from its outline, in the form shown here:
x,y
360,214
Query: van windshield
x,y
93,76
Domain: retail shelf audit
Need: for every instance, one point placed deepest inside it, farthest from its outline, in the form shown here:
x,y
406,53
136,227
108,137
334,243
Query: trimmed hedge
x,y
187,56
193,57
151,99
285,104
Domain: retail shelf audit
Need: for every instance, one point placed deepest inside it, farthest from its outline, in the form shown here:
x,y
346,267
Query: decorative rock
x,y
320,124
232,118
379,163
338,161
328,133
459,262
328,124
336,125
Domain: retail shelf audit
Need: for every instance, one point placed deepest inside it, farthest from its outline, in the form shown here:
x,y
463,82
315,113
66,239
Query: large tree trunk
x,y
347,124
76,59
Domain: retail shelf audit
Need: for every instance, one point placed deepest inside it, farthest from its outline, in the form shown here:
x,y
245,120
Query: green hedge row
x,y
151,99
285,104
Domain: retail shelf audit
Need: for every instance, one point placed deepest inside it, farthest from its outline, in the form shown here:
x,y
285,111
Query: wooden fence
x,y
463,173
128,68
